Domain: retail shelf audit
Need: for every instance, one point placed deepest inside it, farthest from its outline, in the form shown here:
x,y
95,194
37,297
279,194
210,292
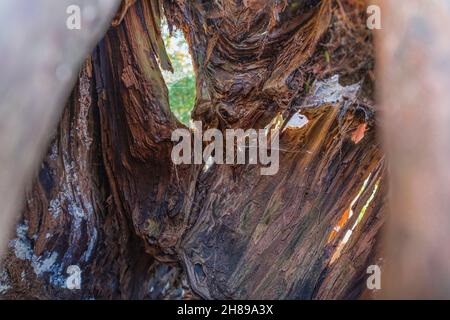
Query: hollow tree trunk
x,y
109,199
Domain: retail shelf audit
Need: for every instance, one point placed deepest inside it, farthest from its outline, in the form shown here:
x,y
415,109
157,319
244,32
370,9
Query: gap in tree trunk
x,y
180,82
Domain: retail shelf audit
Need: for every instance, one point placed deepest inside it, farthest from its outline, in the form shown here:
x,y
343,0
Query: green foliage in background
x,y
182,97
181,83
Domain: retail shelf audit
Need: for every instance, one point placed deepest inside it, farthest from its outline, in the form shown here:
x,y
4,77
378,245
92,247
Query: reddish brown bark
x,y
109,199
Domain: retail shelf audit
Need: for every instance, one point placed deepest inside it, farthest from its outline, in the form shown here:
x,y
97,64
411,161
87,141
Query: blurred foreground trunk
x,y
109,201
414,77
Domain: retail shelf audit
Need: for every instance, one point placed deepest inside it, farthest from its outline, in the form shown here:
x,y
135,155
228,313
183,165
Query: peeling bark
x,y
111,201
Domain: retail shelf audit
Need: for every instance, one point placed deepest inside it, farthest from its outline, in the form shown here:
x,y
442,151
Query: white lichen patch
x,y
47,263
5,283
21,245
54,208
72,201
41,265
330,91
91,245
76,211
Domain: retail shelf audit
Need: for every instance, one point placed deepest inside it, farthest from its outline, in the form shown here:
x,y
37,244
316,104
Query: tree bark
x,y
109,199
40,59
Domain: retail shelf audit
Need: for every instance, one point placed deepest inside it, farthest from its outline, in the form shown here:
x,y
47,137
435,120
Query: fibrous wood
x,y
109,199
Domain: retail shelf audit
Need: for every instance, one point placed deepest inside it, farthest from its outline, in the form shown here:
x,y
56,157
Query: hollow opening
x,y
297,121
180,83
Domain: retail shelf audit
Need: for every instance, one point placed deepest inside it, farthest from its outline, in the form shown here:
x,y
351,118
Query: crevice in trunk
x,y
113,202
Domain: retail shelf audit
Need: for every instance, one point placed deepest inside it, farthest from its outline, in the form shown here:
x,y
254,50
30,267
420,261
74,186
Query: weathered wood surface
x,y
109,199
40,57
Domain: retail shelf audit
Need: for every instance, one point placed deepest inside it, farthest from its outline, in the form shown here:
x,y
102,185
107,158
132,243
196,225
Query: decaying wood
x,y
109,200
414,46
37,75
